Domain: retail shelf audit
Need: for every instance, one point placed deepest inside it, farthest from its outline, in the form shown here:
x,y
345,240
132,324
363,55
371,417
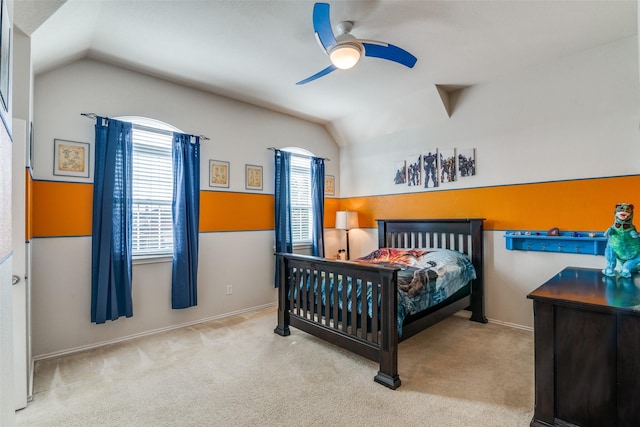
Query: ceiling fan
x,y
344,50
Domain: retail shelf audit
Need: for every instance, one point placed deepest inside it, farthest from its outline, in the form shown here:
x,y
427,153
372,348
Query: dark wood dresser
x,y
587,350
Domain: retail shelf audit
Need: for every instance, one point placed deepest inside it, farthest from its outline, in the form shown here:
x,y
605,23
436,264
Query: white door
x,y
21,335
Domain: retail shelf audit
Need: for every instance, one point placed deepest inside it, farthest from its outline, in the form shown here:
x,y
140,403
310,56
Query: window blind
x,y
301,210
152,232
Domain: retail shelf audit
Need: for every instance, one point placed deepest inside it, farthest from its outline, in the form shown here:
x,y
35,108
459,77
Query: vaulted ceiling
x,y
255,51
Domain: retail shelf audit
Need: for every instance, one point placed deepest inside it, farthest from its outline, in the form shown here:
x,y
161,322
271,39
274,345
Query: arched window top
x,y
149,123
298,150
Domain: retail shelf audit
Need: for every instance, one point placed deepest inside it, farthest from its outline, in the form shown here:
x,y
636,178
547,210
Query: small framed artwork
x,y
329,185
253,177
218,173
430,169
400,174
414,170
447,165
70,158
5,45
467,162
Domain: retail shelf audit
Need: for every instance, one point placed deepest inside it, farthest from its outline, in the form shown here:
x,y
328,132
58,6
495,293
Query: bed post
x,y
382,233
283,303
477,285
388,373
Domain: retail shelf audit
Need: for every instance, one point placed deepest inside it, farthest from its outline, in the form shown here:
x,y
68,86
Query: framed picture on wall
x,y
253,177
70,158
414,170
430,168
467,162
218,173
447,165
329,185
5,46
400,172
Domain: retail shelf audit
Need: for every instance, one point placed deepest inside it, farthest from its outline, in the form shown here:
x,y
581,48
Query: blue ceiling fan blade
x,y
322,25
317,75
388,51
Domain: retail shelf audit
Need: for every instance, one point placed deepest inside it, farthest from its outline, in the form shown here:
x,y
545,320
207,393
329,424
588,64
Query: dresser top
x,y
586,286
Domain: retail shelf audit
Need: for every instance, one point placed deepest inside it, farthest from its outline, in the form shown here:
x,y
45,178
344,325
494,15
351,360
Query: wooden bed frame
x,y
376,337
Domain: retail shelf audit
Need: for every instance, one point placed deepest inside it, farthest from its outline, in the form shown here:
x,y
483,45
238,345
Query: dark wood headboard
x,y
464,235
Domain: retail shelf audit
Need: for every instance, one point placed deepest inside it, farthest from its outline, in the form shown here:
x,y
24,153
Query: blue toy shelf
x,y
574,242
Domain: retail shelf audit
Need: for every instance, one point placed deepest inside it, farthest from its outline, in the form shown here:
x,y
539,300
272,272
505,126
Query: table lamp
x,y
346,220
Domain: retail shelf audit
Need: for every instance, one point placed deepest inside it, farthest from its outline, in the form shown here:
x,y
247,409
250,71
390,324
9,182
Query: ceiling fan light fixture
x,y
345,55
344,50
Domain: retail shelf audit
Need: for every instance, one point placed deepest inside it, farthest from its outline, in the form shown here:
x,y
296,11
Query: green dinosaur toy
x,y
623,243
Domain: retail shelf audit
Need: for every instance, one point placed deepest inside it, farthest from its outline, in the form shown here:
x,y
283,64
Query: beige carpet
x,y
237,372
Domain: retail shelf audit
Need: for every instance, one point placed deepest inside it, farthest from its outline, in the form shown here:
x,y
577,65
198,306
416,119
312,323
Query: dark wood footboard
x,y
308,297
319,296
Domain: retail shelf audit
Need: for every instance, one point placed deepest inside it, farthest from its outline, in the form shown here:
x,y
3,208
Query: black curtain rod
x,y
94,116
299,155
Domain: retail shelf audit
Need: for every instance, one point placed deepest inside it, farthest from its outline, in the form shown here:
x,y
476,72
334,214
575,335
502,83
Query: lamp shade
x,y
346,220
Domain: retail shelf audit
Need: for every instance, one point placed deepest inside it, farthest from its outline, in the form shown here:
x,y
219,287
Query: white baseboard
x,y
465,314
146,333
511,325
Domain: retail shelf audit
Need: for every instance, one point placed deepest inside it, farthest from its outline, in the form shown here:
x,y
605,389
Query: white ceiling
x,y
256,51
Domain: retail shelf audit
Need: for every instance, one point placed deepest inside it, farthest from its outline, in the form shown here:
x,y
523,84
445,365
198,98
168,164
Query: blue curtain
x,y
317,206
186,220
111,227
284,242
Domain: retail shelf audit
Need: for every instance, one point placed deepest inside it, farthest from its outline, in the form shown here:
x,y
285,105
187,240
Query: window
x,y
152,231
301,209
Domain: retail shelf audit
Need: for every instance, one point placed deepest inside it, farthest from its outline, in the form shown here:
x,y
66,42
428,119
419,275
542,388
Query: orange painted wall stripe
x,y
64,208
330,208
582,205
227,211
61,208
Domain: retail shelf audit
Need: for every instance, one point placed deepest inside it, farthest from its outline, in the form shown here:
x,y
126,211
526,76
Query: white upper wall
x,y
576,117
239,133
